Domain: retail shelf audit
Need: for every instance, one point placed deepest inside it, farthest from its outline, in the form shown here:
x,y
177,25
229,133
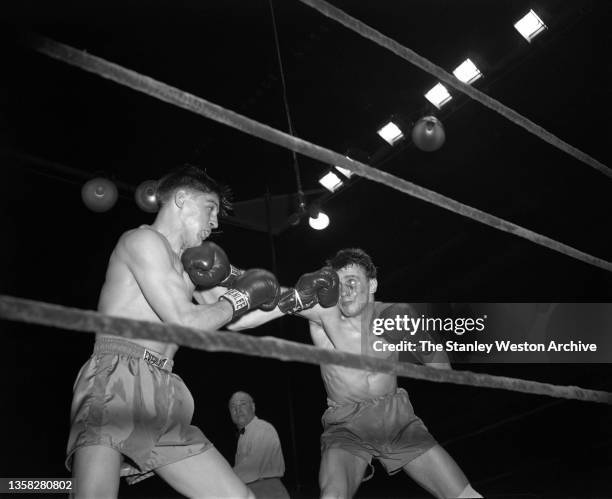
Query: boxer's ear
x,y
373,285
179,197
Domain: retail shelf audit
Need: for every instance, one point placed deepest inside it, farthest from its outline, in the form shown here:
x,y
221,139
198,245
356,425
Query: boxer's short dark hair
x,y
193,178
353,256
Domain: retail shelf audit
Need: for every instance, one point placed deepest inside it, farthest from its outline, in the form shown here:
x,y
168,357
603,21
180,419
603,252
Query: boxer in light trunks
x,y
368,416
131,416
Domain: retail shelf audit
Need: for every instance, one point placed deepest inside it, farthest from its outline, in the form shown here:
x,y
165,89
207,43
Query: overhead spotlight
x,y
331,181
335,177
467,72
318,222
345,171
530,26
356,154
391,133
438,95
99,194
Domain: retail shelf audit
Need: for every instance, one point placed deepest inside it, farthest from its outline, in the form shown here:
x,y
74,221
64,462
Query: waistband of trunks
x,y
335,405
117,345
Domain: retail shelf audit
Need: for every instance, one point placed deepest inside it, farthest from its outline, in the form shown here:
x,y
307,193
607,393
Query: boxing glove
x,y
320,287
255,288
208,266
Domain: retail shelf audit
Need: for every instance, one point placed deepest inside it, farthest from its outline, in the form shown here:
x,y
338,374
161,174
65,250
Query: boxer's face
x,y
356,290
199,215
242,409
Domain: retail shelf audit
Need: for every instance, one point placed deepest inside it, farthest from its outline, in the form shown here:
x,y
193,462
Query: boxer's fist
x,y
320,287
255,288
208,266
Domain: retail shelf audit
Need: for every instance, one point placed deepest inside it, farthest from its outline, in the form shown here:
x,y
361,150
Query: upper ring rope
x,y
426,65
200,106
47,314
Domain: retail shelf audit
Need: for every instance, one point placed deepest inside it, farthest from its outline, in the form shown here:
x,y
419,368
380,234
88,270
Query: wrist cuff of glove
x,y
235,272
239,300
290,302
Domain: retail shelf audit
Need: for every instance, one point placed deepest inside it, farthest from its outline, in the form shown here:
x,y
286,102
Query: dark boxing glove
x,y
255,288
320,287
208,266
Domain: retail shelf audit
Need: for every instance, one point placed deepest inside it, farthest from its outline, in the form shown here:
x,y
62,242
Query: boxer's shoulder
x,y
143,243
142,238
322,315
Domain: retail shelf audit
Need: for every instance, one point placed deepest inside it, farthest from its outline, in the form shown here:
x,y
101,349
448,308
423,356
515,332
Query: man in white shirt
x,y
259,457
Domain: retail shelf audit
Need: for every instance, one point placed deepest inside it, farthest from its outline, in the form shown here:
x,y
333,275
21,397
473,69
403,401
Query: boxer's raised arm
x,y
208,296
254,318
313,292
164,289
258,317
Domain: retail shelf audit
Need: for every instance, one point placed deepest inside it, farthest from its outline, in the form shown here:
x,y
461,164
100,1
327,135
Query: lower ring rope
x,y
200,106
34,312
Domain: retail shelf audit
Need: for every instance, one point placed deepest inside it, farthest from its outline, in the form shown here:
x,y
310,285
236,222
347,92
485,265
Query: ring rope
x,y
197,105
35,312
421,62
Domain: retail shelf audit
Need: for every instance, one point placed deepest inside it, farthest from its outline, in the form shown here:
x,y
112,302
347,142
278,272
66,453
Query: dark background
x,y
60,126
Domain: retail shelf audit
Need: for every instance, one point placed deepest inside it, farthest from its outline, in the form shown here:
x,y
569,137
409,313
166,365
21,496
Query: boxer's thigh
x,y
207,474
437,472
340,473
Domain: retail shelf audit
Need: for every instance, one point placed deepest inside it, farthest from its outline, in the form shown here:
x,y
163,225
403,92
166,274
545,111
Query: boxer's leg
x,y
204,475
438,473
340,473
96,472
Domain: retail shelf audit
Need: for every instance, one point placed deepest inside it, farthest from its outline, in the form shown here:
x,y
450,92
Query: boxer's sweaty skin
x,y
145,279
121,295
342,328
